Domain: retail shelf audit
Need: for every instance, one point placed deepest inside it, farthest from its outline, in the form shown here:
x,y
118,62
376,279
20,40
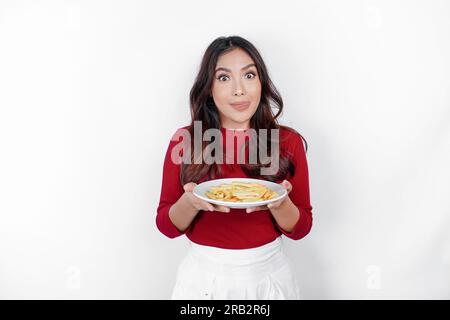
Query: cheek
x,y
219,96
221,101
254,89
255,92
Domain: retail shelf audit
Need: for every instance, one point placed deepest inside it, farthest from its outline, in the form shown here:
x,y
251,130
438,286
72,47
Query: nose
x,y
239,89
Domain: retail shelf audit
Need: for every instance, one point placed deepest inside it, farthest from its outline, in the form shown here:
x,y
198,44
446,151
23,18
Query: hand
x,y
200,204
276,204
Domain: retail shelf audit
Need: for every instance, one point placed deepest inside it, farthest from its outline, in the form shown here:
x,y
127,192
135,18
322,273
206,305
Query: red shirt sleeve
x,y
300,191
171,191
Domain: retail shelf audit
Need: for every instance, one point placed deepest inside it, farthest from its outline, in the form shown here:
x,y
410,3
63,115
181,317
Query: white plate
x,y
200,190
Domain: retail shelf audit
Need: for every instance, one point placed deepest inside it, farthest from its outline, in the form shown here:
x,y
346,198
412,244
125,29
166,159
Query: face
x,y
236,89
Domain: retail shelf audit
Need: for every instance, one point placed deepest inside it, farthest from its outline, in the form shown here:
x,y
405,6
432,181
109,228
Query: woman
x,y
234,253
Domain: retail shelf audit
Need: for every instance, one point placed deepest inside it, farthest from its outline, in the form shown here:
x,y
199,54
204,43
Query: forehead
x,y
234,59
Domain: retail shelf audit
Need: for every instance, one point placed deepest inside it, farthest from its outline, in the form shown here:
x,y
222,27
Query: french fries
x,y
241,192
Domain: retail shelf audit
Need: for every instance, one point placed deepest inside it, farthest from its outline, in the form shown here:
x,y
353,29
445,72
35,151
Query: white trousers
x,y
215,273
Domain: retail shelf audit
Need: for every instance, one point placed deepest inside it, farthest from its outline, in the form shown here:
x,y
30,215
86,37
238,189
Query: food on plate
x,y
241,192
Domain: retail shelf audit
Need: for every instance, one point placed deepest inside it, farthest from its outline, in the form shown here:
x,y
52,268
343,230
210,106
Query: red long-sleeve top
x,y
238,229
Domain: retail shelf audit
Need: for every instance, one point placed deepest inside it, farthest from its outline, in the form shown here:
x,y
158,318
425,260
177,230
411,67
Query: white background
x,y
91,92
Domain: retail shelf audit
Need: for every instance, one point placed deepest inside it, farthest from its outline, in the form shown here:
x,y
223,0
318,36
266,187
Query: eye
x,y
221,77
253,75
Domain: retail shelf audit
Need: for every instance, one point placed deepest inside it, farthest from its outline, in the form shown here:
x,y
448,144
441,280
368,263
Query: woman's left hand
x,y
276,204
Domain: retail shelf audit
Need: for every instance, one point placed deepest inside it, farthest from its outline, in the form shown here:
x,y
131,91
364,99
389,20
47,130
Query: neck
x,y
235,129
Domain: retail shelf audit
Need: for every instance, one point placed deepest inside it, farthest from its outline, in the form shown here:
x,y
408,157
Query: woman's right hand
x,y
200,204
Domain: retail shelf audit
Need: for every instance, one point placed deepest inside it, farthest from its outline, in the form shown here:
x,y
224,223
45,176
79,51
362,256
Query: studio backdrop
x,y
92,91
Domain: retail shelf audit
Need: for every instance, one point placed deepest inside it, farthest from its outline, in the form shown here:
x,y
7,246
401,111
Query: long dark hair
x,y
204,109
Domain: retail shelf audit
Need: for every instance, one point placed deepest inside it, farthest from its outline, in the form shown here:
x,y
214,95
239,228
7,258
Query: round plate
x,y
200,190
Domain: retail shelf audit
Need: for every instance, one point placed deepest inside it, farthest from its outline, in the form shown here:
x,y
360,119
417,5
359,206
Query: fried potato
x,y
241,192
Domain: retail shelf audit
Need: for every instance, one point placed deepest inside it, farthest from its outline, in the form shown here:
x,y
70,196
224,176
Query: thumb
x,y
189,186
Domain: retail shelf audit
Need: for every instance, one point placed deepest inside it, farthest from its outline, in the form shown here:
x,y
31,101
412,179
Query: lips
x,y
240,105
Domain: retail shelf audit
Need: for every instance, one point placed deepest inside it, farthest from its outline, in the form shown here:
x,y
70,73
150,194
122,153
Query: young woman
x,y
234,253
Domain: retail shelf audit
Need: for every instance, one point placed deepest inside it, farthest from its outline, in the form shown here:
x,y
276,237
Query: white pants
x,y
215,273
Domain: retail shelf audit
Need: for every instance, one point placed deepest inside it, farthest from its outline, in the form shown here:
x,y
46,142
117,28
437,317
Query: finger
x,y
252,209
202,205
208,206
189,186
287,185
221,208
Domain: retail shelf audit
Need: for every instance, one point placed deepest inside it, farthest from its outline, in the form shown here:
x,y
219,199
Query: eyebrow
x,y
228,70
